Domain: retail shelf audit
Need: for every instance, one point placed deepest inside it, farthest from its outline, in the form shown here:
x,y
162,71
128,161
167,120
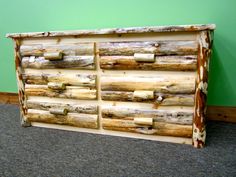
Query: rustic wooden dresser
x,y
144,82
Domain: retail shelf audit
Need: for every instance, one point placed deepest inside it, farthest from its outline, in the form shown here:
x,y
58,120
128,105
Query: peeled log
x,y
73,119
66,49
158,99
72,108
164,63
86,80
158,128
165,84
153,47
72,92
75,62
143,121
176,116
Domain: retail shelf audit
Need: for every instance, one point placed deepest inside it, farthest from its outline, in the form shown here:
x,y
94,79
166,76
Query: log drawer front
x,y
148,82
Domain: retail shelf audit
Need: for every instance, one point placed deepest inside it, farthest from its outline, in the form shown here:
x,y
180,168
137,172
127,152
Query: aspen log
x,y
58,111
165,84
158,99
53,55
73,119
199,130
158,128
72,92
21,85
84,80
72,108
176,116
164,63
56,86
154,47
76,62
144,57
66,49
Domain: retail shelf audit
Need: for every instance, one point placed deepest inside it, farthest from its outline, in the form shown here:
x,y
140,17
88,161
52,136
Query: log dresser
x,y
144,82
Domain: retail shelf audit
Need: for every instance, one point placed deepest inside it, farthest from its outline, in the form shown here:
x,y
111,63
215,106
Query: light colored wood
x,y
170,139
143,121
159,128
83,80
56,86
73,119
157,101
157,98
176,115
53,55
163,36
143,95
70,92
165,63
66,49
164,84
144,57
147,47
173,28
74,62
58,111
71,107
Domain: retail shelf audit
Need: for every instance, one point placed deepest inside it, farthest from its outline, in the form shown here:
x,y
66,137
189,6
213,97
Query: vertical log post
x,y
204,51
20,83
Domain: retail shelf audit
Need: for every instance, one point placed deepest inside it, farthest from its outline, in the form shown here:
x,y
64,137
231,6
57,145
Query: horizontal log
x,y
75,62
72,92
83,80
158,99
53,55
135,30
177,116
164,63
65,49
158,128
165,84
72,108
73,119
143,95
153,47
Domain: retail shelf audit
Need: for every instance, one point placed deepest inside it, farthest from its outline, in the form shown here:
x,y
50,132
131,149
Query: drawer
x,y
60,84
161,89
151,55
175,121
79,115
47,56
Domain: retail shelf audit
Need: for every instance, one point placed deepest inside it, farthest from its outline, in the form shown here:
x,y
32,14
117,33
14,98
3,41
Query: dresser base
x,y
169,139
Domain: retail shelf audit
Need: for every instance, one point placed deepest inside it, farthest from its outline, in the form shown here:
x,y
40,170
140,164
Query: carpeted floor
x,y
38,152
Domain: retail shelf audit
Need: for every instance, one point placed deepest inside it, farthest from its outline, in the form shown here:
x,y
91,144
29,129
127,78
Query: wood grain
x,y
73,119
72,92
130,30
74,62
148,47
165,84
161,63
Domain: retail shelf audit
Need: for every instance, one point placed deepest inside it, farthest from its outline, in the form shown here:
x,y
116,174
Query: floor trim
x,y
216,113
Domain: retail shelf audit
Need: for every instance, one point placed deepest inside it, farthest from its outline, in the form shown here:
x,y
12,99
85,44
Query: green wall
x,y
44,15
